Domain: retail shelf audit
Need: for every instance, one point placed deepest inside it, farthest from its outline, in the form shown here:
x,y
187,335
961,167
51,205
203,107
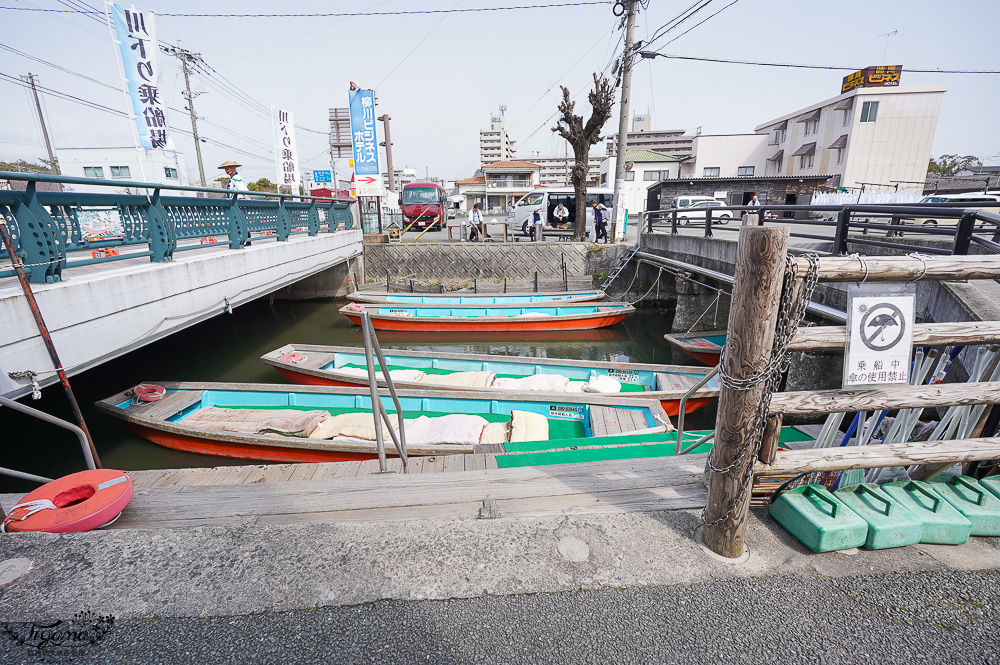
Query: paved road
x,y
928,617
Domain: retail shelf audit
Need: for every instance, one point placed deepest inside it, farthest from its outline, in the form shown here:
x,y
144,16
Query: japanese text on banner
x,y
135,32
286,155
363,133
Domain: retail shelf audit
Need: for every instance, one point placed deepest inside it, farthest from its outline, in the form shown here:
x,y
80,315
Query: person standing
x,y
536,221
236,182
600,225
475,223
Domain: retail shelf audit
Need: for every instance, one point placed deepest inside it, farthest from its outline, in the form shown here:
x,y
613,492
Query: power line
x,y
653,54
335,14
707,18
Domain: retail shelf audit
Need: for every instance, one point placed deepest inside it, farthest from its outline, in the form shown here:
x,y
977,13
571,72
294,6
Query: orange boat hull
x,y
710,359
474,325
248,451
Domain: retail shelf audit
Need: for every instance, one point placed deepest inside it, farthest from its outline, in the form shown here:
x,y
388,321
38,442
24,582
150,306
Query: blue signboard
x,y
363,135
322,176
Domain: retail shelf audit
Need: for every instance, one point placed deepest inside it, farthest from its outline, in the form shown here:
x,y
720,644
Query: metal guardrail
x,y
88,457
47,226
378,408
896,221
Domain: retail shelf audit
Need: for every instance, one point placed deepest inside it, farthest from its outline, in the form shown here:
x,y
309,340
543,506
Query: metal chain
x,y
36,391
788,322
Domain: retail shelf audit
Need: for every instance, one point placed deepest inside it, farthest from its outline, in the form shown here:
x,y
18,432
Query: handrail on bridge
x,y
962,235
56,223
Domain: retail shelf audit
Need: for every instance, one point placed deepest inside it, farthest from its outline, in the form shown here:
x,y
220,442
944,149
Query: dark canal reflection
x,y
228,348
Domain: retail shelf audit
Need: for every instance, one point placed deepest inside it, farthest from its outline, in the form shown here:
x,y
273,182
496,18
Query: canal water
x,y
228,348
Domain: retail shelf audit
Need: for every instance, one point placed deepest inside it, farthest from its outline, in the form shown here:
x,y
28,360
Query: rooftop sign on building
x,y
872,77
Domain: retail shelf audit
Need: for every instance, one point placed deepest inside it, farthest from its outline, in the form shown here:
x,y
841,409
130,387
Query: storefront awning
x,y
807,149
844,105
839,143
813,115
776,156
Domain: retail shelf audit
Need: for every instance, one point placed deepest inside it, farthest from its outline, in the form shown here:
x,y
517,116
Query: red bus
x,y
424,204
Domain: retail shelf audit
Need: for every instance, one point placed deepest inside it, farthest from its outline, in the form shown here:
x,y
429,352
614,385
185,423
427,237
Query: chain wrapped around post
x,y
792,310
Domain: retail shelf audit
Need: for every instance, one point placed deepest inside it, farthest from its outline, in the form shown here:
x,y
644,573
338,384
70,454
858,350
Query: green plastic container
x,y
979,505
818,519
992,483
889,524
942,523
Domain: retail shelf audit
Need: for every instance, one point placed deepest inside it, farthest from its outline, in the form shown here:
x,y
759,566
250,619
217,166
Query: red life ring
x,y
149,392
77,502
294,357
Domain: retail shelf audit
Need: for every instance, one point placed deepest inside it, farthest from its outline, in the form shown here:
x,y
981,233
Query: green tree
x,y
262,185
946,166
24,166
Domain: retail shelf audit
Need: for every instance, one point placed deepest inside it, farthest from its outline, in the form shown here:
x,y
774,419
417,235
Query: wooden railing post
x,y
759,275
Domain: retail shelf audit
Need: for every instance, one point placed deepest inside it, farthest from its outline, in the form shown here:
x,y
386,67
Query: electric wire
x,y
798,66
331,14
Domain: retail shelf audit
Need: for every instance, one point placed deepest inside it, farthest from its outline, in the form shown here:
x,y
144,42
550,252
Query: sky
x,y
441,76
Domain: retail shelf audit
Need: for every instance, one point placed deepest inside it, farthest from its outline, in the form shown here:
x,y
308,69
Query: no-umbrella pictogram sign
x,y
880,340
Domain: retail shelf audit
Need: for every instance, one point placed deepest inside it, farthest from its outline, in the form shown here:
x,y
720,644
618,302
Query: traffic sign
x,y
880,337
322,176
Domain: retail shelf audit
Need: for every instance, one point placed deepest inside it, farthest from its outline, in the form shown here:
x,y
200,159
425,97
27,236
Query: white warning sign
x,y
880,339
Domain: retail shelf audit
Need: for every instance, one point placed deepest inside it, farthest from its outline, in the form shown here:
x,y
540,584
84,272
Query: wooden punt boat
x,y
170,421
455,298
315,365
703,346
476,318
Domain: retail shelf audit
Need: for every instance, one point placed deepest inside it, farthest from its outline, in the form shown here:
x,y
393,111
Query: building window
x,y
779,136
848,114
711,172
651,175
170,173
868,111
777,166
744,170
840,155
630,175
120,172
93,172
806,161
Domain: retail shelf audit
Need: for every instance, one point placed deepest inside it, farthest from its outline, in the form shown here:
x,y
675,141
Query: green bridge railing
x,y
47,226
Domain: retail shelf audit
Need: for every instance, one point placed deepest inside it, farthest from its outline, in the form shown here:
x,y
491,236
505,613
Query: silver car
x,y
697,212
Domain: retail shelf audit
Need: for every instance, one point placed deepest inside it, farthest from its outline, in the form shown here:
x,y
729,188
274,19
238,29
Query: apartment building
x,y
643,137
494,144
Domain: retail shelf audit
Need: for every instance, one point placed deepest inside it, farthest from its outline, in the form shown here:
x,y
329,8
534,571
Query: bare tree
x,y
581,137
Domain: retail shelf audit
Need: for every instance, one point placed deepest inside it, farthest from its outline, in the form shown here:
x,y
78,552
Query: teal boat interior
x,y
567,420
481,299
509,312
718,340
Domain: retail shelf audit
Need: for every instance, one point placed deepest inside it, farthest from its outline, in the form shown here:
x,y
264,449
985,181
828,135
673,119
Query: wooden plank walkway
x,y
438,489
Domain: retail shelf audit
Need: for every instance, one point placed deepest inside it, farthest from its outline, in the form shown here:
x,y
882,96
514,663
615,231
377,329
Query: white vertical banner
x,y
135,32
285,153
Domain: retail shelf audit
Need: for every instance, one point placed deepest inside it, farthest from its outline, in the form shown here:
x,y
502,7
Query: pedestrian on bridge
x,y
236,181
600,224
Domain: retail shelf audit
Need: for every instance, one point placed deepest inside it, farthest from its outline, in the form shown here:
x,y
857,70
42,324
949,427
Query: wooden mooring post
x,y
759,276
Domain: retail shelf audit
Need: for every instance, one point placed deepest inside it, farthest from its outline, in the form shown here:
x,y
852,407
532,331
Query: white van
x,y
547,198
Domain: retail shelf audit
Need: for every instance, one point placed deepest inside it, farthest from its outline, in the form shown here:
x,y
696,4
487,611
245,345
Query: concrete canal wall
x,y
439,262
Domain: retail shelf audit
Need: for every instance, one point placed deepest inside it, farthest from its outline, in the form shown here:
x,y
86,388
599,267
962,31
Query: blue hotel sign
x,y
322,176
363,135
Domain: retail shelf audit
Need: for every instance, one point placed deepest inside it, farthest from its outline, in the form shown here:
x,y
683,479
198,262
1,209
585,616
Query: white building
x,y
403,176
165,167
726,156
643,168
555,171
643,137
874,135
494,144
501,184
871,136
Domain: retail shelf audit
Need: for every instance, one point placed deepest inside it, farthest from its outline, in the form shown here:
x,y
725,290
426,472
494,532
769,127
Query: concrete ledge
x,y
99,316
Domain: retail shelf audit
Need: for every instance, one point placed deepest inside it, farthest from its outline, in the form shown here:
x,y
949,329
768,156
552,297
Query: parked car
x,y
989,201
548,198
698,212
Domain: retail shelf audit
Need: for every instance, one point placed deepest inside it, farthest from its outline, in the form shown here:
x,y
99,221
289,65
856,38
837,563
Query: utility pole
x,y
623,117
45,131
388,150
187,57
